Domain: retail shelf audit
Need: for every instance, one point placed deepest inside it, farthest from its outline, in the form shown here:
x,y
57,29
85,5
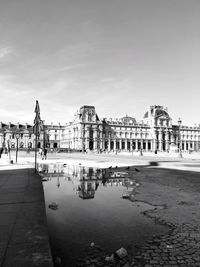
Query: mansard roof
x,y
128,119
160,112
86,106
15,127
156,111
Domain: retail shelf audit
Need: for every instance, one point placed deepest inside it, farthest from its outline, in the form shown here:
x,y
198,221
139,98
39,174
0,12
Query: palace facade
x,y
22,136
87,132
155,132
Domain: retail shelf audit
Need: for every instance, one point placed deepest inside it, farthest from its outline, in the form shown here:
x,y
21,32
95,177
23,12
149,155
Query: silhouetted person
x,y
45,154
1,151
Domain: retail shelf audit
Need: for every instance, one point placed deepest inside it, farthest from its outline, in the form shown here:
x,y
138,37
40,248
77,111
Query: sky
x,y
120,56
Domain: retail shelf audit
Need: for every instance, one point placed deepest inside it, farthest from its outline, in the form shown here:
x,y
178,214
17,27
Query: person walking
x,y
40,153
1,151
45,154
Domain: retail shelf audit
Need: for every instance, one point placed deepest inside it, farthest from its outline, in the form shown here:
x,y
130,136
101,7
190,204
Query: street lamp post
x,y
141,154
44,135
179,138
17,141
69,139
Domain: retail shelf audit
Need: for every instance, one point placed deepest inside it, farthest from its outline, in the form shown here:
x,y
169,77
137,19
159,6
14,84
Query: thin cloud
x,y
50,71
108,80
5,51
75,66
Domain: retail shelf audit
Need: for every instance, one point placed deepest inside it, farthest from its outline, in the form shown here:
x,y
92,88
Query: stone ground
x,y
165,183
23,230
177,192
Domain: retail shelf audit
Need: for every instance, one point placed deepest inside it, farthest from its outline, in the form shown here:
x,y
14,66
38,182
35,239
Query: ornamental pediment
x,y
161,117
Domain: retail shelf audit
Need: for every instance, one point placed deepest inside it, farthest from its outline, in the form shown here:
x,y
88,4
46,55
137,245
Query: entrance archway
x,y
91,145
55,145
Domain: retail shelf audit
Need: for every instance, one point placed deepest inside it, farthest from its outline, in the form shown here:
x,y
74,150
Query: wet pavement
x,y
175,189
23,230
90,205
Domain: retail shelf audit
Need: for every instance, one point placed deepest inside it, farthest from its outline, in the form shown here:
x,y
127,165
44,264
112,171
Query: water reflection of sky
x,y
91,209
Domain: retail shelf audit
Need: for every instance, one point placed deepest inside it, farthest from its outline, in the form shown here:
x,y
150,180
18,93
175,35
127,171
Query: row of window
x,y
13,136
21,145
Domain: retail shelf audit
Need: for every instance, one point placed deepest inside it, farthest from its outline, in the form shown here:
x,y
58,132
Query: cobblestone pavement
x,y
179,248
177,192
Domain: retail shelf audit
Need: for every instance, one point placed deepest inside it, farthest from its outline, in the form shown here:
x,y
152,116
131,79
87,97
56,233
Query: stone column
x,y
101,137
114,145
109,141
172,139
193,145
141,143
87,134
184,146
120,144
95,137
154,146
146,142
82,137
160,140
131,145
126,145
136,145
167,140
188,145
26,135
151,145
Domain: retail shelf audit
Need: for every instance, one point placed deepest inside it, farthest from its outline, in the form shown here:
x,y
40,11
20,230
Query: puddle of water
x,y
91,208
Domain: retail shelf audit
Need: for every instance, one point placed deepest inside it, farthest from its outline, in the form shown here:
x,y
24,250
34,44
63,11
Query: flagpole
x,y
36,153
37,124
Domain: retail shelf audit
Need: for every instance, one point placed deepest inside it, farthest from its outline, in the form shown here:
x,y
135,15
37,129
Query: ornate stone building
x,y
54,135
23,134
155,132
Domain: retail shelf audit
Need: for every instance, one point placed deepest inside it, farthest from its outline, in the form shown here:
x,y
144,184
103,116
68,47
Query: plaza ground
x,y
172,184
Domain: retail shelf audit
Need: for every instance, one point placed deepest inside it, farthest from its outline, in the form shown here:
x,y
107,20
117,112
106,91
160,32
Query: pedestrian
x,y
45,154
40,152
1,151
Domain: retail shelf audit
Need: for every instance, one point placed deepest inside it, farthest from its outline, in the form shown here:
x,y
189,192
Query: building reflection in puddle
x,y
86,205
85,180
